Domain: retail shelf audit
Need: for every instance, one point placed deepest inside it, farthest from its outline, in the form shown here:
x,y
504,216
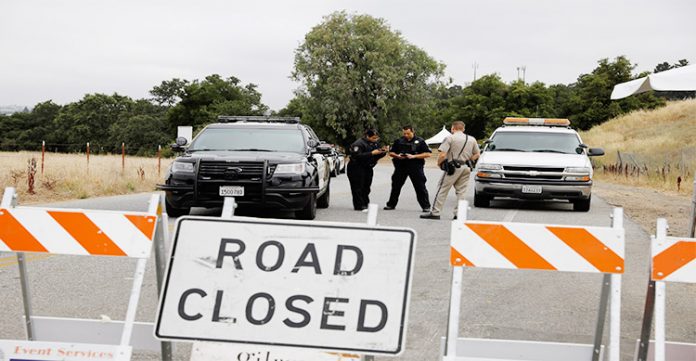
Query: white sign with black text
x,y
330,286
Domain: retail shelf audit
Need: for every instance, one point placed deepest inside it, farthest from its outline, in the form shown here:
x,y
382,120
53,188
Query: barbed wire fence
x,y
674,170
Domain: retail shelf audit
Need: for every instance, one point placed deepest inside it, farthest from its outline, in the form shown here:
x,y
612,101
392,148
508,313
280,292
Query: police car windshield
x,y
251,139
534,142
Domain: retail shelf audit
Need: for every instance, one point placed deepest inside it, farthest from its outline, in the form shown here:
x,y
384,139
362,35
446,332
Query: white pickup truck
x,y
532,158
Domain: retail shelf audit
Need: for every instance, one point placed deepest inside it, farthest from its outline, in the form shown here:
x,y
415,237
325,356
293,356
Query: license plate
x,y
231,191
531,189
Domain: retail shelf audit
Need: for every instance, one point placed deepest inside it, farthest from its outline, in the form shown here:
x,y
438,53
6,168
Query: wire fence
x,y
674,170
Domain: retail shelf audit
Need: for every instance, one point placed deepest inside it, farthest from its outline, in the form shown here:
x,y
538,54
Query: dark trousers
x,y
360,178
417,179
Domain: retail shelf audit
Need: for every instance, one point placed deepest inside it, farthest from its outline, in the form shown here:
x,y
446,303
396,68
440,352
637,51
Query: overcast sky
x,y
62,49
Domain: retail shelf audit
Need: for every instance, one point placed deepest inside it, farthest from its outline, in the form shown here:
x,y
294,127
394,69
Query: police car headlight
x,y
581,170
293,168
182,167
488,166
581,174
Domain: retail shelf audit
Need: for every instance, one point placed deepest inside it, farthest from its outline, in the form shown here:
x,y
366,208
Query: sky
x,y
63,49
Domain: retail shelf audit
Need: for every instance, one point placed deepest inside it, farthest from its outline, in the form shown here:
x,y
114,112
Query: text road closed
x,y
328,286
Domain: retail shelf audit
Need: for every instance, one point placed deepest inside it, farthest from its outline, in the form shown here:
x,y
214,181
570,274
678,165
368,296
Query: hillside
x,y
648,148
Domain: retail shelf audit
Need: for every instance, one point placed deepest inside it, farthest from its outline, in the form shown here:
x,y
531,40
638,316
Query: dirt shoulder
x,y
645,205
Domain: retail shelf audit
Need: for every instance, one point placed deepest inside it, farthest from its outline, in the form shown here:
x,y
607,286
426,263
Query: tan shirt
x,y
453,144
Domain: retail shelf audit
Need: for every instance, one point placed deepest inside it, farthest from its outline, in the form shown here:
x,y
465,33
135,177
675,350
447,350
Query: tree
x,y
482,105
356,72
202,101
594,91
169,92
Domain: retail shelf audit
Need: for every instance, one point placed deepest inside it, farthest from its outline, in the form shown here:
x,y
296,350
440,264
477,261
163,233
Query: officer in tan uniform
x,y
459,148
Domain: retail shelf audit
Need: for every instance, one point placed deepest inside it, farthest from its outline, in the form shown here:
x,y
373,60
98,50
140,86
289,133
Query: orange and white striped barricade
x,y
532,246
673,259
56,231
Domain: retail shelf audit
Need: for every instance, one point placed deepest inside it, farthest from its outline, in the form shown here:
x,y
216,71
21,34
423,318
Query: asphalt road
x,y
527,305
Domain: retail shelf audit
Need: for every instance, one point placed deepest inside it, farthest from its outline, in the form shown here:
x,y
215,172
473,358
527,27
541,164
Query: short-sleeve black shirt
x,y
414,146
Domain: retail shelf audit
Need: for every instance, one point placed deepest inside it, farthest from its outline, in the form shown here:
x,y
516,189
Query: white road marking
x,y
510,215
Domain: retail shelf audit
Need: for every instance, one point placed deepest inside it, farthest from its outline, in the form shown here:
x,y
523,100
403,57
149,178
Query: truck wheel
x,y
582,205
309,212
175,212
481,201
323,201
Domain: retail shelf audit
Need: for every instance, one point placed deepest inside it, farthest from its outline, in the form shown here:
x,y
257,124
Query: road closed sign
x,y
330,286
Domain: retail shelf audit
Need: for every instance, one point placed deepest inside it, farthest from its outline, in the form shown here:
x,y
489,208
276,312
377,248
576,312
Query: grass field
x,y
648,148
69,176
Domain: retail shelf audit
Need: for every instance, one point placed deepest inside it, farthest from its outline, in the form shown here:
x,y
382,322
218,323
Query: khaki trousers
x,y
460,179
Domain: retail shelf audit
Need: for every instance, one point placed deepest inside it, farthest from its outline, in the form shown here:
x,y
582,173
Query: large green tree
x,y
202,101
356,72
594,91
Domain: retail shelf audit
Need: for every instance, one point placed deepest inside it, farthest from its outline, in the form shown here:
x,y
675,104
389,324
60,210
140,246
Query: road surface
x,y
527,305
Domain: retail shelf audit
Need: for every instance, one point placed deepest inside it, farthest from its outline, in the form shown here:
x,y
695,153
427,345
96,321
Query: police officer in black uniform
x,y
408,154
364,154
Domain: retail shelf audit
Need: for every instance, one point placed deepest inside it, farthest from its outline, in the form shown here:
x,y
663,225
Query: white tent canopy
x,y
678,79
439,137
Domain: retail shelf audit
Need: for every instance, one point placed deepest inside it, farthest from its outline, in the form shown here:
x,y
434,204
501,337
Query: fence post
x,y
87,153
692,221
159,160
43,155
123,158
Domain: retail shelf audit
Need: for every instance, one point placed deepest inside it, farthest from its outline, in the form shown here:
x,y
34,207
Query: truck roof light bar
x,y
257,119
537,121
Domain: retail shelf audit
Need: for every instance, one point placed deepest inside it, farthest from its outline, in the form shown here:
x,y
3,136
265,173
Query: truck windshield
x,y
252,139
534,142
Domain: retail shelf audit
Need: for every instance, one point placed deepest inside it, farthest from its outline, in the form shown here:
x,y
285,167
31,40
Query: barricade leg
x,y
26,295
644,344
660,321
455,295
615,316
601,316
137,285
161,236
453,319
371,221
9,200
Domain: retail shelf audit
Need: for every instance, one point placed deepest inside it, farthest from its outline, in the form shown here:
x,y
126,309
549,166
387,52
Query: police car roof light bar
x,y
537,121
257,119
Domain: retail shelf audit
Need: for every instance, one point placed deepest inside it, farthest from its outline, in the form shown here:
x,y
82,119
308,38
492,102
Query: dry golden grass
x,y
661,141
69,176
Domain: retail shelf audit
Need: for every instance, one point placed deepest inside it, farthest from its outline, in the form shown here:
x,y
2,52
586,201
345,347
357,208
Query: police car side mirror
x,y
594,152
312,143
180,144
324,149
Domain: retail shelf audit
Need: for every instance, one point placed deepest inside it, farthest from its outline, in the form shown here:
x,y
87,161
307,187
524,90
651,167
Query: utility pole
x,y
475,66
524,73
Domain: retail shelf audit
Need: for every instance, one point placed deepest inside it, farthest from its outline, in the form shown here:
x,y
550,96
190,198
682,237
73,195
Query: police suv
x,y
264,162
531,158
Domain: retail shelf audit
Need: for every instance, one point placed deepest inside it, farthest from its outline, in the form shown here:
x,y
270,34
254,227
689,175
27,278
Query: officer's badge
x,y
356,149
